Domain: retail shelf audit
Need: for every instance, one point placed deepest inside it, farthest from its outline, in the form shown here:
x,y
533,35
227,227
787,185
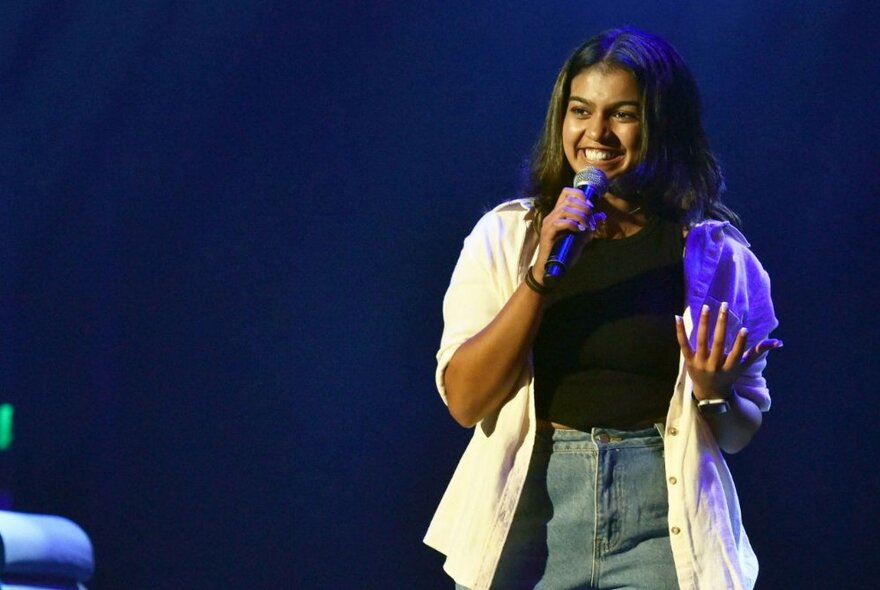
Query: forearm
x,y
734,429
483,373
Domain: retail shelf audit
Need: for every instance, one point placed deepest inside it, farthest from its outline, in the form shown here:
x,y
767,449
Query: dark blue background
x,y
227,229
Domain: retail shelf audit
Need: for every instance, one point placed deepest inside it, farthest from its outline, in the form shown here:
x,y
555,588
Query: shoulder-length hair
x,y
676,174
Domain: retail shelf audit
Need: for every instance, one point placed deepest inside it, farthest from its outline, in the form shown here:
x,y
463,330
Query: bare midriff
x,y
637,426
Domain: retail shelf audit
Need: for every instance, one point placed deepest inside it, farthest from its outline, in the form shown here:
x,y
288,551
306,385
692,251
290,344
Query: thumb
x,y
760,350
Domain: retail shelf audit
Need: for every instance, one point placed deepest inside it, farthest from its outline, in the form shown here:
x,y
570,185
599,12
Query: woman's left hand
x,y
713,371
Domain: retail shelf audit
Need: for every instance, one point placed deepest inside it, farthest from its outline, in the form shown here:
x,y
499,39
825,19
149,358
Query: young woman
x,y
602,405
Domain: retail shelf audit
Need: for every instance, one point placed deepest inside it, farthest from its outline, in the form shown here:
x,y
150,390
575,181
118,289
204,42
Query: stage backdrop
x,y
227,228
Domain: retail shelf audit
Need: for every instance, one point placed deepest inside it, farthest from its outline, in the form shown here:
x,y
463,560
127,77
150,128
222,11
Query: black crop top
x,y
606,352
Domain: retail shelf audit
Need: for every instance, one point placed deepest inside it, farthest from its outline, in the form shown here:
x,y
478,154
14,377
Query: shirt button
x,y
673,480
673,430
675,530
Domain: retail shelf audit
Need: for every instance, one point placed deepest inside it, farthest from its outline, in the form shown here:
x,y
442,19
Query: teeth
x,y
598,154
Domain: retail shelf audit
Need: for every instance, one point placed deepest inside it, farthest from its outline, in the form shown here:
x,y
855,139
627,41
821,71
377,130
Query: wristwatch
x,y
713,406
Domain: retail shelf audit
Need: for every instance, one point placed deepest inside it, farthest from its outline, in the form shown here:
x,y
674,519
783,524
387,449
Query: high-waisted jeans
x,y
592,515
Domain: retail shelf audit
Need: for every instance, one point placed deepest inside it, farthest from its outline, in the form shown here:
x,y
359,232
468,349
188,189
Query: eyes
x,y
624,115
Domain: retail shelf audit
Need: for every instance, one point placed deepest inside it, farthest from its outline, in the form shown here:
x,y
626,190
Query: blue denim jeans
x,y
592,515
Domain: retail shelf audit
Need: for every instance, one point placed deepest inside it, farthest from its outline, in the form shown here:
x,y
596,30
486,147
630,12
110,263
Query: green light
x,y
6,431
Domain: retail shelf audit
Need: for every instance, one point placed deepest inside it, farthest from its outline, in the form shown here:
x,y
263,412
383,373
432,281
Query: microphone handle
x,y
557,263
561,252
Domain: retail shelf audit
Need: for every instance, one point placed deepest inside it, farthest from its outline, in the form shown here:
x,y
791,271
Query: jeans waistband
x,y
598,438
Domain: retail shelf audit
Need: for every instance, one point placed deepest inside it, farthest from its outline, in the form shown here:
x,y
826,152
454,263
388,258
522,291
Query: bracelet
x,y
533,284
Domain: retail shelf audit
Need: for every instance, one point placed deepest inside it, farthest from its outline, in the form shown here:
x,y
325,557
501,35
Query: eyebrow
x,y
621,103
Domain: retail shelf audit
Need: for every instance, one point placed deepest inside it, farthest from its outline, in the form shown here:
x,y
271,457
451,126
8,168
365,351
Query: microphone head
x,y
592,177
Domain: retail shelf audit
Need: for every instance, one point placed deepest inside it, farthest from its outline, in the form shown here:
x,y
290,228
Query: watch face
x,y
713,406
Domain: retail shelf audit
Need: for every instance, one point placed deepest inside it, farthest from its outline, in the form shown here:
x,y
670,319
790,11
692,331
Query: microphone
x,y
594,184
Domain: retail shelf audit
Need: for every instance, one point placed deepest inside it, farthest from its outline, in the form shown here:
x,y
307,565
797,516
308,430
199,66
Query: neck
x,y
622,218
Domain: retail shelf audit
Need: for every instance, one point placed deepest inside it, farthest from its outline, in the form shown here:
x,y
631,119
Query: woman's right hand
x,y
572,213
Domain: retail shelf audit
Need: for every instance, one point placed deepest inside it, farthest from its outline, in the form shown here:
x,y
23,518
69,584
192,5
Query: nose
x,y
596,127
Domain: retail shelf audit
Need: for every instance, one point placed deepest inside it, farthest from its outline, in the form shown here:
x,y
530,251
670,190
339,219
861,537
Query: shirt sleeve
x,y
476,291
760,320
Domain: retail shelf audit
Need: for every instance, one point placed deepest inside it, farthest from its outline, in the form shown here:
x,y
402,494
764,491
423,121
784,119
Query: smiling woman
x,y
602,127
602,403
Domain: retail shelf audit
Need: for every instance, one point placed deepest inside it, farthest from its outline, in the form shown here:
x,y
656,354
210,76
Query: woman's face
x,y
602,126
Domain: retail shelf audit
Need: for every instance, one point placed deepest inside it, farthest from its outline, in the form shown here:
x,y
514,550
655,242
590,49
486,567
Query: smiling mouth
x,y
597,155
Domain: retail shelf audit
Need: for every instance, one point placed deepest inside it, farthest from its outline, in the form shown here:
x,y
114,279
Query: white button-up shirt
x,y
710,547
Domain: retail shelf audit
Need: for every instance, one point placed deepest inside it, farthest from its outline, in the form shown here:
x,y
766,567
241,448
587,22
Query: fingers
x,y
717,353
575,196
682,338
703,333
736,353
712,370
573,212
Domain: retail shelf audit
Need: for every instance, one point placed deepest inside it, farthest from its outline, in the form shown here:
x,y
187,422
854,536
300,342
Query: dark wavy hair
x,y
676,173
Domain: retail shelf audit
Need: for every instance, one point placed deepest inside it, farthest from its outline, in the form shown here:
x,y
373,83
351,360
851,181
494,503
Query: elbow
x,y
737,436
736,441
462,417
735,446
460,399
471,398
462,412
